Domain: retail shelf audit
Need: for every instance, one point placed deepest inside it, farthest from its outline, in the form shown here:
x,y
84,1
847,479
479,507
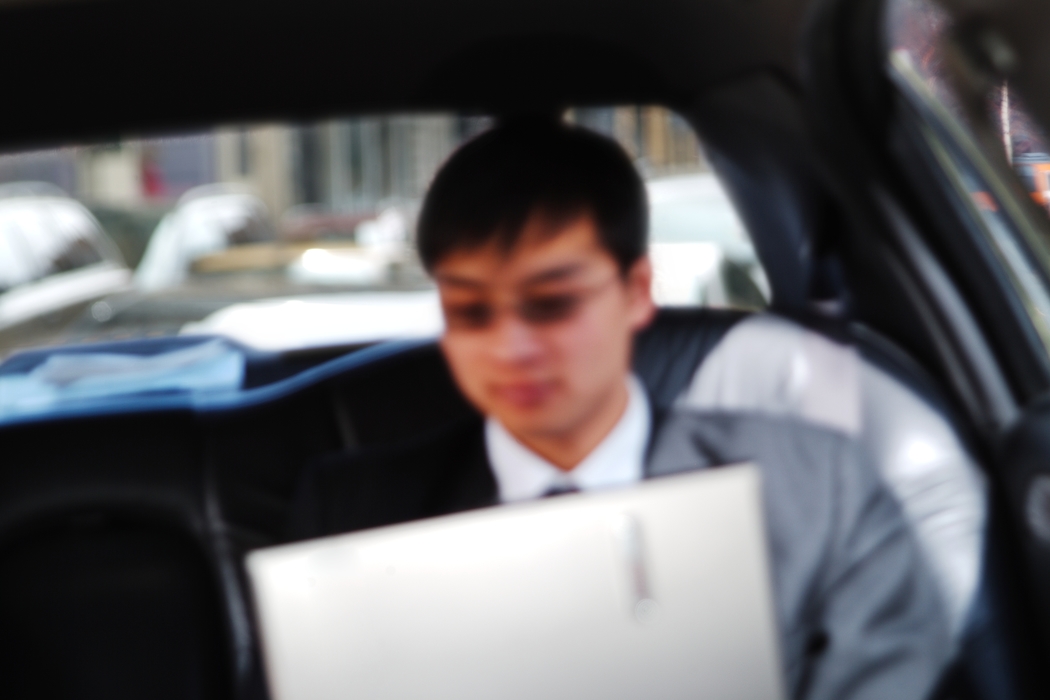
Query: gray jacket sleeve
x,y
859,612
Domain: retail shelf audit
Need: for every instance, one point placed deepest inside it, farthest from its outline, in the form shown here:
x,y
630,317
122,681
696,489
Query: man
x,y
535,234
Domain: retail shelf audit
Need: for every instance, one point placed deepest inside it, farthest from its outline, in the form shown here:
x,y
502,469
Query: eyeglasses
x,y
538,309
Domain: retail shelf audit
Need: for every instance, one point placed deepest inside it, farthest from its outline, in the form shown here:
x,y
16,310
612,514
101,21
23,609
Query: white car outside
x,y
53,254
206,219
322,320
693,231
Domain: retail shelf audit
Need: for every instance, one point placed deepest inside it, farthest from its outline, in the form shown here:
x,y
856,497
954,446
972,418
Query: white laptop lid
x,y
656,591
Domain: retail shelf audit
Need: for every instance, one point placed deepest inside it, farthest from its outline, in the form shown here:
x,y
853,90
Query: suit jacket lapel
x,y
469,482
701,455
657,416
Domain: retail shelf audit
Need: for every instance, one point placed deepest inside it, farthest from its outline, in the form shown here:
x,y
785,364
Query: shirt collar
x,y
617,460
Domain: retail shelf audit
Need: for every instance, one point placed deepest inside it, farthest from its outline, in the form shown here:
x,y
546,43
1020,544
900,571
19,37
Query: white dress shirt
x,y
618,460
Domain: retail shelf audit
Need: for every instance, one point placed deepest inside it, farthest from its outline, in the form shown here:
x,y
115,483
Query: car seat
x,y
867,389
109,584
851,378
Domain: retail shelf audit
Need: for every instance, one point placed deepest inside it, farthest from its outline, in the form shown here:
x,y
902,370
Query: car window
x,y
296,235
971,140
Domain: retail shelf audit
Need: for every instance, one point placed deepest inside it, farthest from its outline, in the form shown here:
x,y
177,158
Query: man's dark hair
x,y
493,184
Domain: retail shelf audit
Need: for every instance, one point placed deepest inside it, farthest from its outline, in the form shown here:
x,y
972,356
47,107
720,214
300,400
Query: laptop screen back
x,y
656,591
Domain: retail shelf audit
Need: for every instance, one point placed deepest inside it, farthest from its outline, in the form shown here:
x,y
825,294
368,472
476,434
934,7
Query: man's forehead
x,y
535,259
555,273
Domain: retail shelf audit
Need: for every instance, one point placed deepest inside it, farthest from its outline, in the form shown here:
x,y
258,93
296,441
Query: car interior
x,y
123,527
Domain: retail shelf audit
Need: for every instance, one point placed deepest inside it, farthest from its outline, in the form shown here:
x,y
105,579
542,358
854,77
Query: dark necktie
x,y
560,490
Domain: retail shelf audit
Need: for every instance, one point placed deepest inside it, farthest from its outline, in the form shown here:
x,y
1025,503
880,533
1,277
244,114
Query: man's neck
x,y
568,449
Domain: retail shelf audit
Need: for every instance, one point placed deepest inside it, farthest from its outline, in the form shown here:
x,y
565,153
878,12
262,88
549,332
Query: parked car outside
x,y
700,250
54,259
206,220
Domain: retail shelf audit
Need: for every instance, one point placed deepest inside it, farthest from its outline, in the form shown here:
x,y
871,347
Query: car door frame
x,y
879,154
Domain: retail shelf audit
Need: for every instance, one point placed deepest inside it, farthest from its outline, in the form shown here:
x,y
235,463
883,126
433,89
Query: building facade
x,y
345,165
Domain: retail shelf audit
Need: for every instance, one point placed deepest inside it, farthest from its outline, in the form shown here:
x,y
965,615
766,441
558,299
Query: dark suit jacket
x,y
445,471
858,611
435,474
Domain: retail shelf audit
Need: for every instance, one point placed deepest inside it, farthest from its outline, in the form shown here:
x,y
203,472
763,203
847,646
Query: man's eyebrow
x,y
554,274
457,281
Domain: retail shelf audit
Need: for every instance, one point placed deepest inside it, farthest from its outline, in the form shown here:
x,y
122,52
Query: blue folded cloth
x,y
74,377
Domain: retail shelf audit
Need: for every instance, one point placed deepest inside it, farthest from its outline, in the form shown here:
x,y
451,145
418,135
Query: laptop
x,y
657,591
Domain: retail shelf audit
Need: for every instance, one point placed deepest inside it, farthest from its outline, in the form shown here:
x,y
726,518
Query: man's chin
x,y
527,425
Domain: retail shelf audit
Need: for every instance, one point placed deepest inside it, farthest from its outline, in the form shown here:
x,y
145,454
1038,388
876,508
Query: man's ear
x,y
639,283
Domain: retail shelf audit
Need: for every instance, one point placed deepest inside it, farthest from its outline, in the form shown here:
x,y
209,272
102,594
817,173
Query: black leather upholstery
x,y
94,605
668,352
108,586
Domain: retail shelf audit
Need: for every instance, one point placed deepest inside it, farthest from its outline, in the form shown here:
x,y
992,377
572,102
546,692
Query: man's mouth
x,y
525,394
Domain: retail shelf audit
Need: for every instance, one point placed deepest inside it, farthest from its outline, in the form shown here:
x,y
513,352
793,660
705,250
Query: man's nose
x,y
515,341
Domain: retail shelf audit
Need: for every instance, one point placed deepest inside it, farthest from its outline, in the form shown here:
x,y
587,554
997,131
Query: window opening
x,y
919,62
249,230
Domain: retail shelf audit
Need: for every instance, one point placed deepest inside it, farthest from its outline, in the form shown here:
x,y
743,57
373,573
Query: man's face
x,y
540,337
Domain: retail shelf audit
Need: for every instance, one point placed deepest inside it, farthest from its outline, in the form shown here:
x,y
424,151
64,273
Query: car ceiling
x,y
96,69
102,69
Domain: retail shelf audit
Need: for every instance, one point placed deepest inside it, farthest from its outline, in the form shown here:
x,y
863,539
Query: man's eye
x,y
469,315
548,309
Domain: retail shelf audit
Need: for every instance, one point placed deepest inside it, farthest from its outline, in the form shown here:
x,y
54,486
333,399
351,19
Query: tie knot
x,y
560,490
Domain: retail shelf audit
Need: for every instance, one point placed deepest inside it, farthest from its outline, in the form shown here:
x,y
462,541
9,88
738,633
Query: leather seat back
x,y
96,603
668,352
110,586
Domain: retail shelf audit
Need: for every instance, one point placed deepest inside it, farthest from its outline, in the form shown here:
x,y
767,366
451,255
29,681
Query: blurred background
x,y
290,236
